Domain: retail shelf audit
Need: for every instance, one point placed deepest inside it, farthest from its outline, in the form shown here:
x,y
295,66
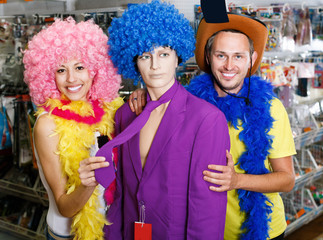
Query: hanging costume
x,y
76,124
256,122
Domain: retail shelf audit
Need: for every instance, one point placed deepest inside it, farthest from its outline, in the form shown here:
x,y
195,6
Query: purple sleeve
x,y
206,208
114,215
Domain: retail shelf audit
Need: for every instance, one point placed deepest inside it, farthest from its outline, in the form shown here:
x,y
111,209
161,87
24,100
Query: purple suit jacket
x,y
178,203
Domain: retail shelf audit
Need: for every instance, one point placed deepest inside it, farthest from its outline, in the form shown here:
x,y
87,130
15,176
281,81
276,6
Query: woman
x,y
159,177
75,86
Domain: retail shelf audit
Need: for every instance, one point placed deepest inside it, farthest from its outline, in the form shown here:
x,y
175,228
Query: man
x,y
261,140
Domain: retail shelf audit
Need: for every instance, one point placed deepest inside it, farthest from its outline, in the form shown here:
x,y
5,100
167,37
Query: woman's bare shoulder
x,y
44,126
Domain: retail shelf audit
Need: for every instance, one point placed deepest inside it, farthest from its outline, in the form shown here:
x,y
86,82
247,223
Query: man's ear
x,y
207,59
254,57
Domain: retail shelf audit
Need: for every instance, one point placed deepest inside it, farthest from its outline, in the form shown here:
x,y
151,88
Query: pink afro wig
x,y
64,41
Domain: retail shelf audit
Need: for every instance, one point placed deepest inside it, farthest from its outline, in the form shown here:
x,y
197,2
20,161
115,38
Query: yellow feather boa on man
x,y
75,140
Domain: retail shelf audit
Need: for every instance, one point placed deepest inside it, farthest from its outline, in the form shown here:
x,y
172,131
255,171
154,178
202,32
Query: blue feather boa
x,y
256,122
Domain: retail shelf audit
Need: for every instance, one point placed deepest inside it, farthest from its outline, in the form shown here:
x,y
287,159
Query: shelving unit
x,y
305,202
35,194
24,232
299,204
37,198
23,205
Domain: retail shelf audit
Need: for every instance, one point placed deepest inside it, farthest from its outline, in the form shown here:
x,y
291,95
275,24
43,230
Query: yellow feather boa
x,y
75,141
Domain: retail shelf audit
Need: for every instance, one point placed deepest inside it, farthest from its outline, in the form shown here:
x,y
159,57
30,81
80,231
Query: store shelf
x,y
22,232
35,194
305,202
300,222
37,199
300,205
308,138
308,165
301,208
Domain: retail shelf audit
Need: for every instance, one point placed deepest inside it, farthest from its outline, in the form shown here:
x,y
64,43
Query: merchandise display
x,y
288,30
305,202
293,63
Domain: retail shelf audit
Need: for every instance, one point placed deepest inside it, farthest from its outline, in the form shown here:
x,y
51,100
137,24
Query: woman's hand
x,y
137,100
86,170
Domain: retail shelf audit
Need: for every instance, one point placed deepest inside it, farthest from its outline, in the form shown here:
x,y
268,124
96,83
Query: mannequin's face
x,y
230,60
157,68
73,80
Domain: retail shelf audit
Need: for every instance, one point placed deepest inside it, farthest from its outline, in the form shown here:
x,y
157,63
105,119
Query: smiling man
x,y
261,140
229,63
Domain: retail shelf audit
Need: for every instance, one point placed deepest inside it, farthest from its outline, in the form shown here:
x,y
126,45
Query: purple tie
x,y
106,175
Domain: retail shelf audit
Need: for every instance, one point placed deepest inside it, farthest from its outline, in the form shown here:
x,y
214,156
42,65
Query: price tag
x,y
143,231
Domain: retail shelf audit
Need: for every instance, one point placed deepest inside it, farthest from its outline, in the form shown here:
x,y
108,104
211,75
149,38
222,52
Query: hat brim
x,y
253,28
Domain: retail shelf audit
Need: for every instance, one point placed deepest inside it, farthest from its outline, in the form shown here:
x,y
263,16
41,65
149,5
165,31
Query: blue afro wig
x,y
142,28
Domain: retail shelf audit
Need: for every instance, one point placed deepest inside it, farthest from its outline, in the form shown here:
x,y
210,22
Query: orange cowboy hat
x,y
216,19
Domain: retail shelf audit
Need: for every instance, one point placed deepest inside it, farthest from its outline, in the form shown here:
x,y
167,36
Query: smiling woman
x,y
73,80
75,86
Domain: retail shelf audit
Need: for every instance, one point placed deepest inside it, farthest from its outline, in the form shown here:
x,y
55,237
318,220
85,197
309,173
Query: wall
x,y
90,4
187,6
15,7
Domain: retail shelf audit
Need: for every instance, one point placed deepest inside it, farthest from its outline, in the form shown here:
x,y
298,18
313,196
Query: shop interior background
x,y
293,62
